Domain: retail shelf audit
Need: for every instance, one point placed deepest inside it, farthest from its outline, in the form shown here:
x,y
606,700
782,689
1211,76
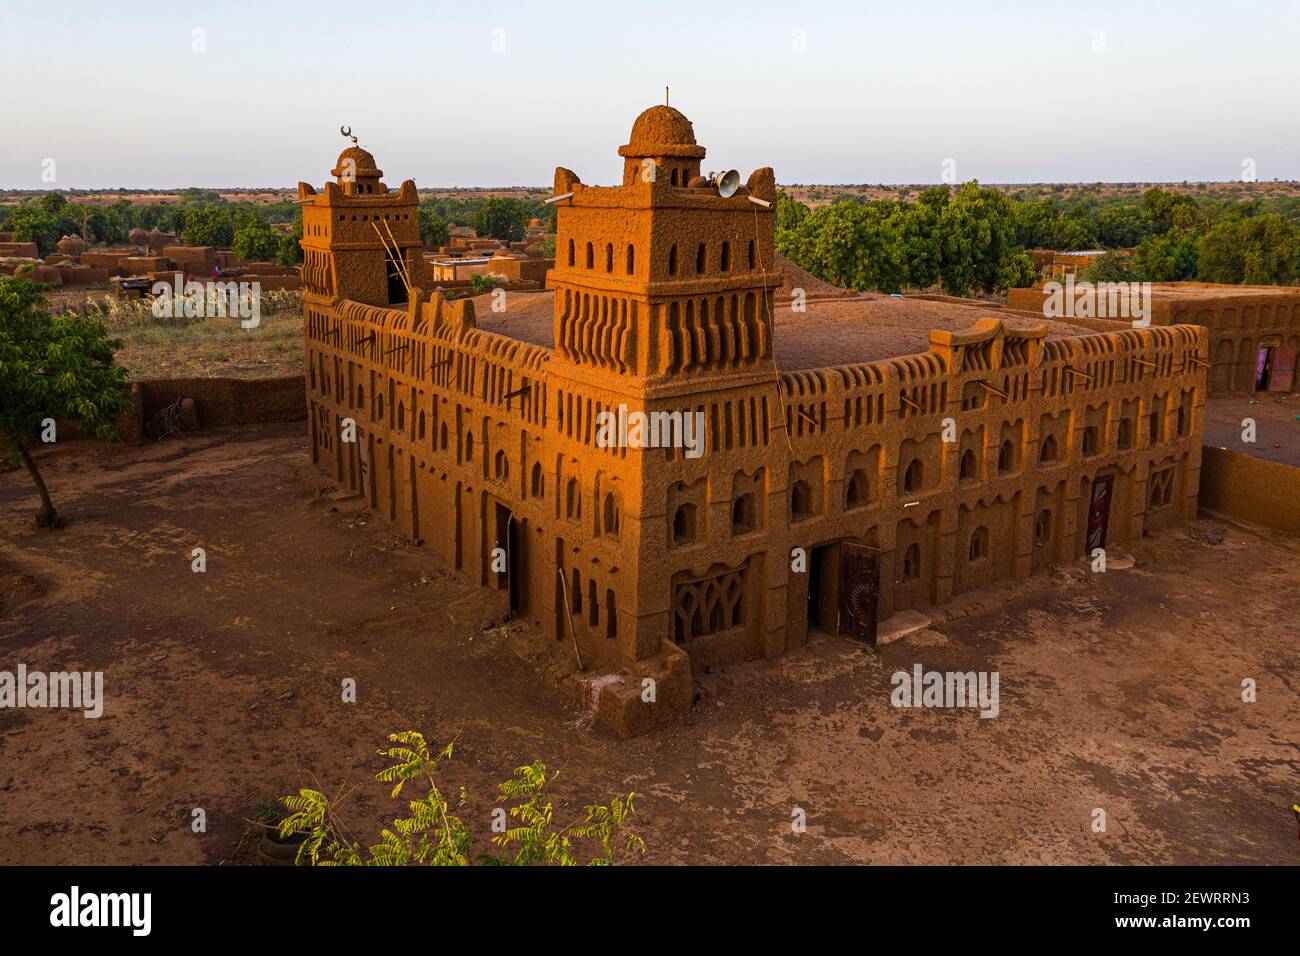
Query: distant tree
x,y
53,368
208,226
1112,267
1167,258
1256,250
501,218
254,241
434,230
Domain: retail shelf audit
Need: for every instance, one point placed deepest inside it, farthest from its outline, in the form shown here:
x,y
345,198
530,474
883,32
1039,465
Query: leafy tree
x,y
1112,267
501,218
53,368
1256,250
434,230
255,241
433,835
207,226
1167,258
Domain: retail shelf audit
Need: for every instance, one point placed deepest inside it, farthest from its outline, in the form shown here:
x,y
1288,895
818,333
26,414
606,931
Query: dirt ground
x,y
1120,691
1277,426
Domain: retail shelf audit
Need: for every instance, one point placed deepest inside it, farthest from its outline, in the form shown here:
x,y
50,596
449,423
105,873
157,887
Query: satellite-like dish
x,y
728,183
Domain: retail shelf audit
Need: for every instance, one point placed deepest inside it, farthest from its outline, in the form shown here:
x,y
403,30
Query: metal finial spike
x,y
665,96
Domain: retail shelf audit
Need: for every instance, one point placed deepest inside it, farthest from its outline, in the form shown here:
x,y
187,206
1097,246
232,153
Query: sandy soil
x,y
1120,691
1277,426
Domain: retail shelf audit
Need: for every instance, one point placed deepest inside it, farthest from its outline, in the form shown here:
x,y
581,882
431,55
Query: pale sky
x,y
499,93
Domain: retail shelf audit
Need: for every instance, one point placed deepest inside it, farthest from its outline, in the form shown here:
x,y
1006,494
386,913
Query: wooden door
x,y
1099,511
859,591
1282,376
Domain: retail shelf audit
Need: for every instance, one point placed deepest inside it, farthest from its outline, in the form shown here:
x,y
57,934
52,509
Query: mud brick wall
x,y
1250,489
228,401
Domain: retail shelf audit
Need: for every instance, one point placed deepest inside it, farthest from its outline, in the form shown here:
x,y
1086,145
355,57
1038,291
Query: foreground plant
x,y
432,834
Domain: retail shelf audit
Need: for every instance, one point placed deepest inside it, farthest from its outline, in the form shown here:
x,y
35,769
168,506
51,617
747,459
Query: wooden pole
x,y
564,587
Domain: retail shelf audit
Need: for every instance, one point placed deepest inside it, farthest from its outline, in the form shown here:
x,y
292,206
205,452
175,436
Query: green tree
x,y
501,218
53,368
255,241
434,230
1256,250
207,226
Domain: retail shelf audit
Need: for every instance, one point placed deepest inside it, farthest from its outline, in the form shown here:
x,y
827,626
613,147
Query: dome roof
x,y
662,131
362,163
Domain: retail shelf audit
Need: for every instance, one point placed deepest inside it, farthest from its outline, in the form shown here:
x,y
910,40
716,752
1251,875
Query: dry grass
x,y
182,347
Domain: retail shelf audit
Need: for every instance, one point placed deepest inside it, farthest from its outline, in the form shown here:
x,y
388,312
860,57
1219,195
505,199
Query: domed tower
x,y
360,241
666,136
357,173
663,278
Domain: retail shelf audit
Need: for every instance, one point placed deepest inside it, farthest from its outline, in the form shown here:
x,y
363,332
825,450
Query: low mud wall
x,y
227,401
1250,489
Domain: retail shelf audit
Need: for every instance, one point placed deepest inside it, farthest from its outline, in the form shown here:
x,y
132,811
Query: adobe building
x,y
871,473
1254,331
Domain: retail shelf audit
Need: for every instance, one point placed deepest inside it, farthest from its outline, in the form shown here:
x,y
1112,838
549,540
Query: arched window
x,y
572,500
611,615
571,258
539,483
1090,440
379,405
1043,528
912,563
674,177
575,592
501,466
611,514
1125,439
609,257
684,524
699,260
631,259
672,261
591,256
858,491
800,500
443,436
742,514
913,477
469,446
1006,457
724,262
1047,451
420,434
401,417
968,467
979,543
593,606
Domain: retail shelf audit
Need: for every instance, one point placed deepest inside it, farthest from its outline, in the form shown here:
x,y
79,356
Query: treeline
x,y
202,217
973,240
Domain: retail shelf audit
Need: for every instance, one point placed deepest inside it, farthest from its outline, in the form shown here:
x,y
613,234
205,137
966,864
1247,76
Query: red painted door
x,y
1099,511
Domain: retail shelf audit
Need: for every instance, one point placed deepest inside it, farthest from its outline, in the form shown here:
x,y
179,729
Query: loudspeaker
x,y
728,183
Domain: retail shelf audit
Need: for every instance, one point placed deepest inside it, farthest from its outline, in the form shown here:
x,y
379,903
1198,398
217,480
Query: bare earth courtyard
x,y
1119,691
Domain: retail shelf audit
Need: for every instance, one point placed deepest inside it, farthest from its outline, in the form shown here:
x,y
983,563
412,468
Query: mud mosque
x,y
832,492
